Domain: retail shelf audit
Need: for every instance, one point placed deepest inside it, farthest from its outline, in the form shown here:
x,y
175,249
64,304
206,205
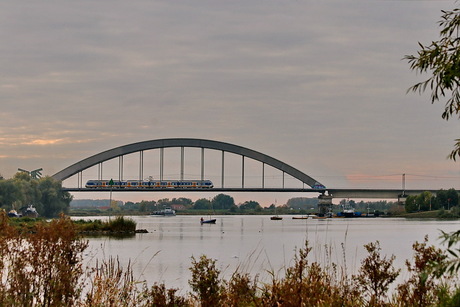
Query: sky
x,y
319,85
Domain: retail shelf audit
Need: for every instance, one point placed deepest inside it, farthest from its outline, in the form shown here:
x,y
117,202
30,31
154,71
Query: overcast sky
x,y
319,85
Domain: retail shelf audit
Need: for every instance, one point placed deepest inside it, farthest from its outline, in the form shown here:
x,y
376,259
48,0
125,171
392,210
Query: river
x,y
256,244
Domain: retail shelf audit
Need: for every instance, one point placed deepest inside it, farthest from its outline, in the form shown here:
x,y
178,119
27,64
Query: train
x,y
149,184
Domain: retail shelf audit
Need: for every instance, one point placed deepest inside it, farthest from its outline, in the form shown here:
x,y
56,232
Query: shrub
x,y
42,267
205,281
121,224
423,287
376,274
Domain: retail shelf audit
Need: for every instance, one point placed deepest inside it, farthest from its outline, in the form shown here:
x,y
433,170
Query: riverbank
x,y
434,214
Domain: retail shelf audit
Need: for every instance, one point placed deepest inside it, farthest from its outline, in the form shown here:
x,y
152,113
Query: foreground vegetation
x,y
44,267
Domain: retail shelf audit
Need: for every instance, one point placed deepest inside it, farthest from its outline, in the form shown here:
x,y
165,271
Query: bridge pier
x,y
324,204
402,199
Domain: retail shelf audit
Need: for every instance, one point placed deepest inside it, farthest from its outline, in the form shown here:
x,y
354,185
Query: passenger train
x,y
150,184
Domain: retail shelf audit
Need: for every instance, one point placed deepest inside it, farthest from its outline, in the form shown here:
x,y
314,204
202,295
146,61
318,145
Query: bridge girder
x,y
183,142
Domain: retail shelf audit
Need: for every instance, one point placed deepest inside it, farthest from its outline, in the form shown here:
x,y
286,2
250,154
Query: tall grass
x,y
43,267
118,224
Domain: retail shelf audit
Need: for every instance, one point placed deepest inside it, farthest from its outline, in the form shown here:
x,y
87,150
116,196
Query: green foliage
x,y
119,224
250,205
447,198
442,60
451,264
45,194
202,204
223,201
453,213
444,199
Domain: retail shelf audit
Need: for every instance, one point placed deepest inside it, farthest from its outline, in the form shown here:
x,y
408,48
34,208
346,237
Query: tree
x,y
442,59
447,198
411,205
376,274
187,202
45,194
8,192
249,205
223,201
52,199
201,204
423,200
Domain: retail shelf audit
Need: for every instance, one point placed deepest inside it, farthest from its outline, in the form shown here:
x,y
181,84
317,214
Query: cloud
x,y
318,85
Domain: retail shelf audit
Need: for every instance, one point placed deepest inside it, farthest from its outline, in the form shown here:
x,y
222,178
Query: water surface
x,y
256,244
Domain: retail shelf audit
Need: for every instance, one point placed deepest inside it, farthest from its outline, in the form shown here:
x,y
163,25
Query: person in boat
x,y
201,220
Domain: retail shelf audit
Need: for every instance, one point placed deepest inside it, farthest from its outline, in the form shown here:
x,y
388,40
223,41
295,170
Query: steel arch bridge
x,y
182,143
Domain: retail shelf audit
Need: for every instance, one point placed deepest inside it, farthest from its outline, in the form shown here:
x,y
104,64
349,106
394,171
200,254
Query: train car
x,y
318,186
150,184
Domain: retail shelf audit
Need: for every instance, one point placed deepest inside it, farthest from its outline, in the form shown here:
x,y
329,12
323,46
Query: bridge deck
x,y
336,193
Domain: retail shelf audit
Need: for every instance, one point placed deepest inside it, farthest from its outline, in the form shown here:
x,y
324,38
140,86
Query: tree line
x,y
45,194
426,201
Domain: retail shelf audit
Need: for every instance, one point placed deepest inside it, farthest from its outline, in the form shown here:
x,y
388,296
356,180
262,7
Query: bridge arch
x,y
183,142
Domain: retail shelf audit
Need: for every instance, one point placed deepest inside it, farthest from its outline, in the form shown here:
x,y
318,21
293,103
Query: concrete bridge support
x,y
324,204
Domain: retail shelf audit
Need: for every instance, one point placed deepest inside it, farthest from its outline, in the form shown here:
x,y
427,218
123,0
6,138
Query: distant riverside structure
x,y
35,174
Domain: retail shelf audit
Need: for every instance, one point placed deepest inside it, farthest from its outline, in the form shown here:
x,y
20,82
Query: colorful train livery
x,y
149,184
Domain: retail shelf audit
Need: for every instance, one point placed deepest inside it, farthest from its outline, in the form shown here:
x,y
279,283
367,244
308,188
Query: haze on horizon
x,y
319,85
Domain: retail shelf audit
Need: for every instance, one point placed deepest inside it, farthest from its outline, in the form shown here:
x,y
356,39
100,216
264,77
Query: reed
x,y
116,225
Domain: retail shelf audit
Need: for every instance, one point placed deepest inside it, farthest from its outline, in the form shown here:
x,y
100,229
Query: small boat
x,y
317,217
276,217
164,212
210,221
300,217
30,211
13,213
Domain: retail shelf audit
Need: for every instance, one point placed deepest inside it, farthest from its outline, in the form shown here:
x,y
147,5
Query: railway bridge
x,y
306,182
182,143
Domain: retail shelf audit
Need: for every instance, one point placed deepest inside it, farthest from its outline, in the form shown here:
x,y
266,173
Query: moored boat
x,y
276,218
13,213
300,217
30,211
318,217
